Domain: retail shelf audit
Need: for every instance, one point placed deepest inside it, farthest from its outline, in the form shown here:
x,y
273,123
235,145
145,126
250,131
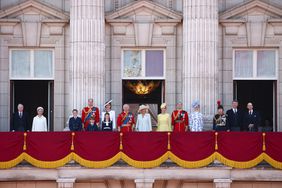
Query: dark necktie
x,y
21,114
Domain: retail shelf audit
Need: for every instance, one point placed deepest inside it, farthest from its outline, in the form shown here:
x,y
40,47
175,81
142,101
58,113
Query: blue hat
x,y
179,102
195,104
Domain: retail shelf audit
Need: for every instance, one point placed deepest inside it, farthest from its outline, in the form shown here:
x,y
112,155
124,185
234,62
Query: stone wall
x,y
128,177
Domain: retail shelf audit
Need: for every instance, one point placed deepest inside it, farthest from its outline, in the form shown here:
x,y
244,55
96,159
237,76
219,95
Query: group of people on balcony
x,y
235,119
179,121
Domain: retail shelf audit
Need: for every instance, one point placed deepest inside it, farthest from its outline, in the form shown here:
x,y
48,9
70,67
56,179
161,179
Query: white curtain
x,y
43,64
266,63
20,64
243,64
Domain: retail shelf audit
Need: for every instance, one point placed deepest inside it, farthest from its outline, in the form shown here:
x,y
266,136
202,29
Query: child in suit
x,y
92,125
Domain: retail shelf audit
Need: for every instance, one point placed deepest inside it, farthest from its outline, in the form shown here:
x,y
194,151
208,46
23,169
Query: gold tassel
x,y
24,146
120,142
216,146
72,140
263,142
168,141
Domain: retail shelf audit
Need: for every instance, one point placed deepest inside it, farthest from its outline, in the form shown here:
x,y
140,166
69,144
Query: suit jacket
x,y
251,119
234,120
20,123
75,124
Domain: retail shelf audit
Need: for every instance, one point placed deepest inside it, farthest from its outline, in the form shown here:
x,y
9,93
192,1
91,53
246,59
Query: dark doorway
x,y
33,94
153,97
262,95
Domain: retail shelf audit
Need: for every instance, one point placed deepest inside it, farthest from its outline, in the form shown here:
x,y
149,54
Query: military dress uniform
x,y
90,112
179,120
125,121
220,122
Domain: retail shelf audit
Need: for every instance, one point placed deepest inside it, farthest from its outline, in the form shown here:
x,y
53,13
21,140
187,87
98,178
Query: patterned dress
x,y
196,121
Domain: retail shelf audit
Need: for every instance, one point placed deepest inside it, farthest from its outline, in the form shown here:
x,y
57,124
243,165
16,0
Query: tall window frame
x,y
32,73
143,64
255,75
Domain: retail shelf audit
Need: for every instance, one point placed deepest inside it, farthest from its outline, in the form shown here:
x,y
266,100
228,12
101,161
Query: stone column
x,y
87,25
144,183
65,182
200,25
222,183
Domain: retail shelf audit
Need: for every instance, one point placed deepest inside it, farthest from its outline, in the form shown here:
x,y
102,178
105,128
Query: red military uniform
x,y
87,113
179,120
125,121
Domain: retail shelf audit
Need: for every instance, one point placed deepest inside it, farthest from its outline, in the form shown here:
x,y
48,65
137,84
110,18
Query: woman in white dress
x,y
143,123
196,118
108,109
39,122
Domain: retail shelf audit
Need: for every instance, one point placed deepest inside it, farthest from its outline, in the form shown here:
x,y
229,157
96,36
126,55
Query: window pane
x,y
243,64
20,64
43,64
132,63
154,63
266,63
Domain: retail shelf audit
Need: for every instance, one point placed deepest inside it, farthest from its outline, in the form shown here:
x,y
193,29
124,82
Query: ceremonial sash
x,y
126,118
93,110
175,116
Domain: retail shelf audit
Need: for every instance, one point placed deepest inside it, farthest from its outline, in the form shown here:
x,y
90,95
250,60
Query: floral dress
x,y
196,121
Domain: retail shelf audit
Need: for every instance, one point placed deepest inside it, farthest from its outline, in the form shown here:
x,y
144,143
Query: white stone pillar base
x,y
222,183
144,183
65,182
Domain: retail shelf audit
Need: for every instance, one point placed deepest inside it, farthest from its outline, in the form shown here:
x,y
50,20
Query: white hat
x,y
163,105
108,102
39,108
143,107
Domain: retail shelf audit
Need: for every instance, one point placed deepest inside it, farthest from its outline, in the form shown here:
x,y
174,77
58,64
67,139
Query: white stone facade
x,y
128,177
88,37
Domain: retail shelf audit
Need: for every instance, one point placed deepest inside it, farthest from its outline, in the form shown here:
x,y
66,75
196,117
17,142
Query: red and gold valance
x,y
140,150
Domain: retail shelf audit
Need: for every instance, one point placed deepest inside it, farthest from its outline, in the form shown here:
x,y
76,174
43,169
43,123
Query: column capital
x,y
222,183
144,183
66,182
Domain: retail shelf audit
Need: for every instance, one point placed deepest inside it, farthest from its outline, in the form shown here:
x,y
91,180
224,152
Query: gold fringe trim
x,y
216,145
272,162
168,141
239,164
263,142
12,163
24,146
48,164
97,164
120,142
192,164
72,141
144,164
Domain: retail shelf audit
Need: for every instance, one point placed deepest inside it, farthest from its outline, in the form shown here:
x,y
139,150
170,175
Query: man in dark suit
x,y
234,117
75,122
20,120
252,119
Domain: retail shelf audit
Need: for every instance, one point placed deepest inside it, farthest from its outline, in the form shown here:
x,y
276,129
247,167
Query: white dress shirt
x,y
39,124
144,123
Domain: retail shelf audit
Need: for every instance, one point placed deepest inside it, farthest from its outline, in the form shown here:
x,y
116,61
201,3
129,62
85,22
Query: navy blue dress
x,y
107,126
